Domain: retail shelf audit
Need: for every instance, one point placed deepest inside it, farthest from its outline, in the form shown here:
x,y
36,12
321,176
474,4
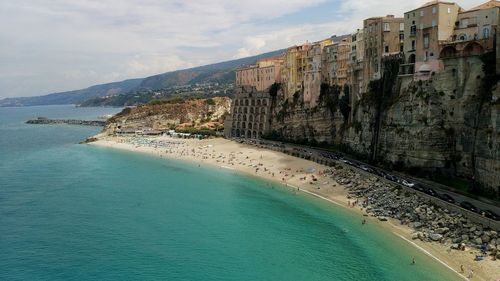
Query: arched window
x,y
486,32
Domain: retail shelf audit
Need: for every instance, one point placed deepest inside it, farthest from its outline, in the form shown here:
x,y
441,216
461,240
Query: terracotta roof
x,y
487,5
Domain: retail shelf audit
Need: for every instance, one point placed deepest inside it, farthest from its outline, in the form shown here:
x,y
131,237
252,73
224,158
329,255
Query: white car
x,y
409,184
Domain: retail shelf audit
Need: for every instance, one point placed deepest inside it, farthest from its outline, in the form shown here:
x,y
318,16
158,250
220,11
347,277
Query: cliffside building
x,y
292,70
313,72
425,29
383,36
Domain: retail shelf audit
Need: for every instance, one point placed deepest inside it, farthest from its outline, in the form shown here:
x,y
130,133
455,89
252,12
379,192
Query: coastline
x,y
289,171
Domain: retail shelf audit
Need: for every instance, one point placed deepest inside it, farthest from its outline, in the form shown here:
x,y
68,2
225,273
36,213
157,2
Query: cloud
x,y
56,45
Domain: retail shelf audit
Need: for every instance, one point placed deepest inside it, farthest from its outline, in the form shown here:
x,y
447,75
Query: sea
x,y
79,212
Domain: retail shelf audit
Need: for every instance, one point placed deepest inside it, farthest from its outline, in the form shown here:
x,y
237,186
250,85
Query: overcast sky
x,y
58,45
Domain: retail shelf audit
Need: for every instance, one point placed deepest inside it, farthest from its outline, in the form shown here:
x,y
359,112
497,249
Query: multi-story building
x,y
262,75
474,33
355,68
343,58
312,73
292,70
249,117
425,29
382,36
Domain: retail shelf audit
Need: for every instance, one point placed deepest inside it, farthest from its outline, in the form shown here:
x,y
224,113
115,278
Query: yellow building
x,y
292,70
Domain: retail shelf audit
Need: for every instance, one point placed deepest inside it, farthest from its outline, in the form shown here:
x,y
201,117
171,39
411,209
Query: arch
x,y
237,133
448,52
250,118
251,110
250,126
245,110
262,118
261,126
253,103
246,102
473,49
258,102
264,102
249,134
243,125
236,102
244,117
412,58
255,135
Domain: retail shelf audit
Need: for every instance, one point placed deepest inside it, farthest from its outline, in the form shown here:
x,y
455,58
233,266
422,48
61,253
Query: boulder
x,y
442,230
417,224
478,241
435,236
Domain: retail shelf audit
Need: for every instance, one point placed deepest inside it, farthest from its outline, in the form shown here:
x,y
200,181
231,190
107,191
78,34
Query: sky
x,y
58,45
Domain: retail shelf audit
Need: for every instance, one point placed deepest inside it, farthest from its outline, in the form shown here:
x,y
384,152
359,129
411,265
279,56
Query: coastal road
x,y
393,177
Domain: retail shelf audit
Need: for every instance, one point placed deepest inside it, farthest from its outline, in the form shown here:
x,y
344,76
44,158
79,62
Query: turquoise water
x,y
78,212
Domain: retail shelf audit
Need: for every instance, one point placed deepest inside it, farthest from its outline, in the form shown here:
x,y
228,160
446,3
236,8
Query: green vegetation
x,y
344,103
329,96
273,90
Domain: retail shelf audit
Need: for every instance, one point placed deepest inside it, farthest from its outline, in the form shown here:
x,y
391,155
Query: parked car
x,y
491,215
407,183
430,191
446,197
419,187
468,206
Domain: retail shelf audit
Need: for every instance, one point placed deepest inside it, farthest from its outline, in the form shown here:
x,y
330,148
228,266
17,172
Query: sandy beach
x,y
298,174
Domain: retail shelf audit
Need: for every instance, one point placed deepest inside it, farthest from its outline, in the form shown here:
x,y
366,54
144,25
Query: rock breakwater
x,y
431,223
47,121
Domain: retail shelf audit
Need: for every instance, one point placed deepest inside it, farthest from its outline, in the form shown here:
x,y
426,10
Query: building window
x,y
402,26
434,9
386,49
413,45
387,26
486,33
426,41
422,13
413,30
433,23
449,10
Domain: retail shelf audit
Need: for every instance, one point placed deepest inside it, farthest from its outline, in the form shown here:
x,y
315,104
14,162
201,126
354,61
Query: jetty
x,y
47,121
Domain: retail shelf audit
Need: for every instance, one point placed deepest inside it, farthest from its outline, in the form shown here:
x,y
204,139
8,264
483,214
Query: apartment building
x,y
426,28
261,75
383,36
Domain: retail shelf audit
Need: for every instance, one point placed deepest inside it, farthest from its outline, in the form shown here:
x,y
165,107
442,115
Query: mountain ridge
x,y
221,72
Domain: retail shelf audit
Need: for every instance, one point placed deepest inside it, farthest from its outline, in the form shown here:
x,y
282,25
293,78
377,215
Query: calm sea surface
x,y
78,212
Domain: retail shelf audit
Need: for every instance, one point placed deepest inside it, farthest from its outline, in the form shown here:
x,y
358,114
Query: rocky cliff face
x,y
203,113
436,125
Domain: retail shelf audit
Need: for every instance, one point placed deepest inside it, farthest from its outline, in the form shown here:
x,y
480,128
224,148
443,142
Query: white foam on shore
x,y
402,237
226,167
431,255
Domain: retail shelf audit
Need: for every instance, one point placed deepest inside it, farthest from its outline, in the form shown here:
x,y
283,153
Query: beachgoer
x,y
412,260
462,270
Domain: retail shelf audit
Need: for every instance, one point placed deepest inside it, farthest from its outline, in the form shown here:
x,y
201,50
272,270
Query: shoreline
x,y
289,171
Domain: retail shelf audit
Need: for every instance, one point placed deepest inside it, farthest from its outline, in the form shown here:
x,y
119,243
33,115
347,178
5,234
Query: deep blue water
x,y
79,212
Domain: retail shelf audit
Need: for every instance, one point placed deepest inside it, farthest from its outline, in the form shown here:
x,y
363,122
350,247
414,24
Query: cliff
x,y
197,114
443,126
